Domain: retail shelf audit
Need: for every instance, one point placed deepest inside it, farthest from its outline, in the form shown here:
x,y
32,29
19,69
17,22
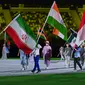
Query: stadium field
x,y
49,79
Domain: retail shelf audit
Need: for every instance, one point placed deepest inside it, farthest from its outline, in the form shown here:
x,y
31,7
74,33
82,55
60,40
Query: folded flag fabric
x,y
42,34
72,38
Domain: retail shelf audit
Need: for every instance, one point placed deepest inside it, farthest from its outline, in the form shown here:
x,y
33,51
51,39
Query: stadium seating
x,y
80,14
34,19
2,20
37,19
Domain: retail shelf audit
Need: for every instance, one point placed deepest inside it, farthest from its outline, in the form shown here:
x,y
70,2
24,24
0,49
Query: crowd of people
x,y
35,54
67,54
77,53
36,19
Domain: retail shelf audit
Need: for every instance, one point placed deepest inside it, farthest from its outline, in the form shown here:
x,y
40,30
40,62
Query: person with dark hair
x,y
77,57
67,54
36,54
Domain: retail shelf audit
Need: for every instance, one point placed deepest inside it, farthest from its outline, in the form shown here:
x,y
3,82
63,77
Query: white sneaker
x,y
75,70
47,67
22,69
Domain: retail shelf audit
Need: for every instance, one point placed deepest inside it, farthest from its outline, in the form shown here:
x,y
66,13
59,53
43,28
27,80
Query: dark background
x,y
55,43
43,3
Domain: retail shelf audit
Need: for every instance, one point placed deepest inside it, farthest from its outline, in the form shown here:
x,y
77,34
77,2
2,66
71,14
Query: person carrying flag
x,y
36,54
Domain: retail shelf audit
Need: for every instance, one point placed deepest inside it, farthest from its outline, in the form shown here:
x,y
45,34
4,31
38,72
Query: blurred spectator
x,y
4,51
36,19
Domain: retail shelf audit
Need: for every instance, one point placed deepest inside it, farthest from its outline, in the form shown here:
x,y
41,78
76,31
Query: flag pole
x,y
4,37
73,30
44,24
42,29
10,23
37,32
68,38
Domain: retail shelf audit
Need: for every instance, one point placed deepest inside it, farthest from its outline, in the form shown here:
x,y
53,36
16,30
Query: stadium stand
x,y
36,17
2,20
80,14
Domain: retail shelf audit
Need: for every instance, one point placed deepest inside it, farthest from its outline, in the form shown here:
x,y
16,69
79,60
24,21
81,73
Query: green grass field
x,y
48,79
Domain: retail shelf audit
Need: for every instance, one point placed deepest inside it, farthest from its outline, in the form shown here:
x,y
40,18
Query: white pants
x,y
62,57
4,55
67,61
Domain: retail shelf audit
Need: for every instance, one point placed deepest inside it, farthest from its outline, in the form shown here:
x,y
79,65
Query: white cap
x,y
47,42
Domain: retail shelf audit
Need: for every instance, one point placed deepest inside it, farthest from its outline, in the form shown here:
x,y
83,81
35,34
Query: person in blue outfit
x,y
36,53
77,57
23,59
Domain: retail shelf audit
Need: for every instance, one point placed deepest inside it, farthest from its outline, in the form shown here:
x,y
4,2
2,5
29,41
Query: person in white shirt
x,y
61,50
36,53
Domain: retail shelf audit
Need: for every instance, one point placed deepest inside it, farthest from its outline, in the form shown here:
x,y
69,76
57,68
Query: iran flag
x,y
21,34
55,20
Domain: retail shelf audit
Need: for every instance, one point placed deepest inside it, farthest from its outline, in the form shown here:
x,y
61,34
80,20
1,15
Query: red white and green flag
x,y
81,32
21,34
56,21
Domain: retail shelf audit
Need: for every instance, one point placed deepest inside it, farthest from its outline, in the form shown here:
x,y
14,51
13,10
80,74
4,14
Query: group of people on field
x,y
77,53
46,53
67,53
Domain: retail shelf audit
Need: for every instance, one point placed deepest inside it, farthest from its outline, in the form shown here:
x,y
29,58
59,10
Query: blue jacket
x,y
77,52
